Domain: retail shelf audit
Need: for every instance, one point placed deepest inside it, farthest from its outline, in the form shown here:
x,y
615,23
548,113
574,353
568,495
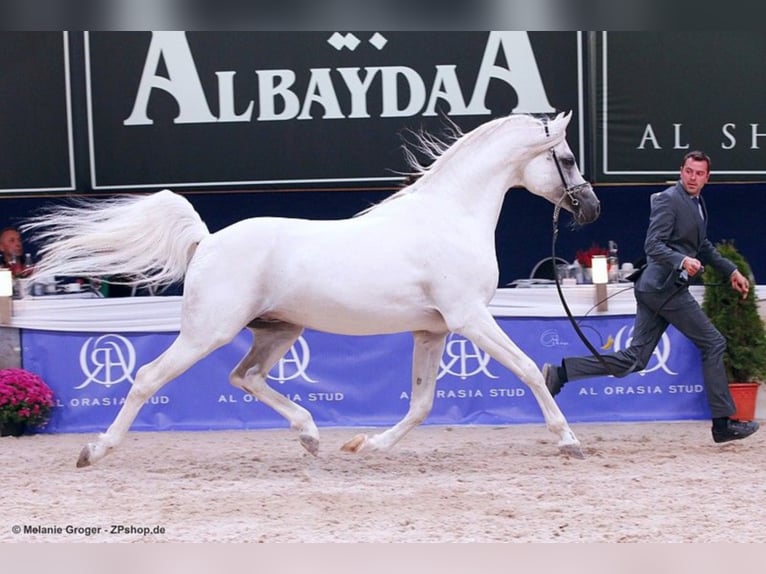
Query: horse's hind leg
x,y
484,331
181,355
426,355
271,340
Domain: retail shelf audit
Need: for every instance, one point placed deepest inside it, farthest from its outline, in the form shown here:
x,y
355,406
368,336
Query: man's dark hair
x,y
697,156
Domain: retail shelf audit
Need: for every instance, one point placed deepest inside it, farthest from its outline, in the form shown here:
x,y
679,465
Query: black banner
x,y
662,94
35,114
325,110
306,110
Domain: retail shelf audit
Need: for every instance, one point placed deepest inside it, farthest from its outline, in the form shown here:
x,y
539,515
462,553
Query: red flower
x,y
585,258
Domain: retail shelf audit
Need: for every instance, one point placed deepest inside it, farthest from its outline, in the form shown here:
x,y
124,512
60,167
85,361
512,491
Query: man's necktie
x,y
696,201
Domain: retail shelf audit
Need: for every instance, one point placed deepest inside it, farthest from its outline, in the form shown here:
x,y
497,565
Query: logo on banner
x,y
661,352
462,358
107,360
293,364
552,338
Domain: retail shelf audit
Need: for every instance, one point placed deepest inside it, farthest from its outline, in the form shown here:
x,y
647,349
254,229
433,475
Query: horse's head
x,y
552,173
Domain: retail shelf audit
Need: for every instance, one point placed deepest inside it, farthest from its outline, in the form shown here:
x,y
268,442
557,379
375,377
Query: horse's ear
x,y
558,125
552,133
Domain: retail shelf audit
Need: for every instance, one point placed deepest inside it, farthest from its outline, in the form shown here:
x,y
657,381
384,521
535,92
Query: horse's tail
x,y
141,240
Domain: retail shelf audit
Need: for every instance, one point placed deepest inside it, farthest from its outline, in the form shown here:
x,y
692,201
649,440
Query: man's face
x,y
694,176
10,242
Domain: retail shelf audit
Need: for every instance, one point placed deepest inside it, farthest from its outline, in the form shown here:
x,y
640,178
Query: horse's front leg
x,y
181,355
426,356
484,331
271,340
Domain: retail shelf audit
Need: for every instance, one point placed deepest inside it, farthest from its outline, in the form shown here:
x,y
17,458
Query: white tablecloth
x,y
162,314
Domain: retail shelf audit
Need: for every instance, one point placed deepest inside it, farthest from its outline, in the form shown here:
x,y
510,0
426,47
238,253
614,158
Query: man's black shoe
x,y
552,380
735,430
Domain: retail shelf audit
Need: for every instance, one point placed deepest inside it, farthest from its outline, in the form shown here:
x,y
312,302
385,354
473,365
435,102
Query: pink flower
x,y
24,398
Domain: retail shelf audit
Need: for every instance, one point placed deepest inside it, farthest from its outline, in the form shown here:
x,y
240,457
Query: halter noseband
x,y
570,191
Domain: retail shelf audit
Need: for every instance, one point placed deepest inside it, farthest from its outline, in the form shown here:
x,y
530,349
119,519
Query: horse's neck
x,y
469,192
473,176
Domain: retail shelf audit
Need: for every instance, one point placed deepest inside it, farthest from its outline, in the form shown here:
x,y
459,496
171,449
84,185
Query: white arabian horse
x,y
423,260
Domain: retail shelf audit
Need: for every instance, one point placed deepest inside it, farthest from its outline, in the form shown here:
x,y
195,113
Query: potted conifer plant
x,y
738,320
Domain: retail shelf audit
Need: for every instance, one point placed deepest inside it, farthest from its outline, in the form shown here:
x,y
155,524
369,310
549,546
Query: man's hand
x,y
740,283
692,266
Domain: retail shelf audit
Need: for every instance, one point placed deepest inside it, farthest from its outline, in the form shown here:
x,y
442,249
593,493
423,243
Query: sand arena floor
x,y
649,482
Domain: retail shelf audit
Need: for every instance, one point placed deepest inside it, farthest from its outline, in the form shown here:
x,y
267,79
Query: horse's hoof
x,y
355,444
84,458
572,450
310,443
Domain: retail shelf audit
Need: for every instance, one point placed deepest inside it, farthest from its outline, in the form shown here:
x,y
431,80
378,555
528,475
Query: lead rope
x,y
571,193
571,318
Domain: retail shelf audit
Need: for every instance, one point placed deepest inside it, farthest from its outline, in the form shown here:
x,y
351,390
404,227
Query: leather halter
x,y
571,191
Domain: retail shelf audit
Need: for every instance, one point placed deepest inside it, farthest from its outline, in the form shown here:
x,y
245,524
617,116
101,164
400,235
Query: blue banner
x,y
361,381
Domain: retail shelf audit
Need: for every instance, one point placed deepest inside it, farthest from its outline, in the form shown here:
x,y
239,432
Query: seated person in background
x,y
12,249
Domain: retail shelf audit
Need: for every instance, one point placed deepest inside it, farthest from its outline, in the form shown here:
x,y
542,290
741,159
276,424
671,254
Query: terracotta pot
x,y
744,395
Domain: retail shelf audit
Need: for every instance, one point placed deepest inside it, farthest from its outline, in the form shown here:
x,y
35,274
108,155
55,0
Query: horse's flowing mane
x,y
437,150
429,145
